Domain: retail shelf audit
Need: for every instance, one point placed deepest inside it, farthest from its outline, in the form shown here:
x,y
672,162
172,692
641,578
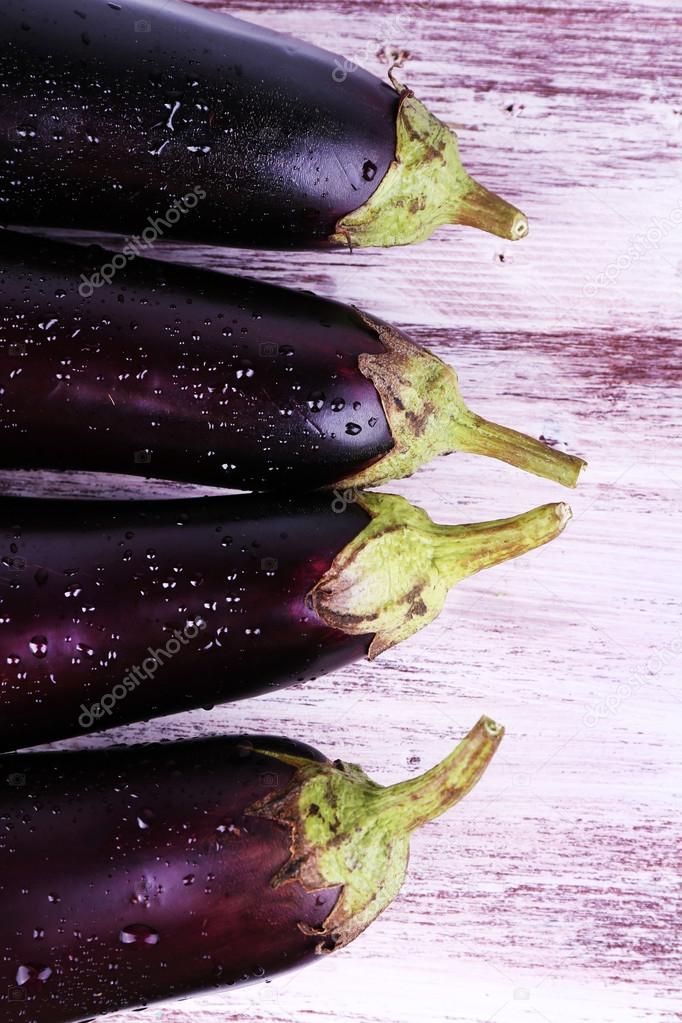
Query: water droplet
x,y
33,972
38,646
373,421
139,934
145,819
53,897
188,879
369,169
353,429
41,576
337,404
316,401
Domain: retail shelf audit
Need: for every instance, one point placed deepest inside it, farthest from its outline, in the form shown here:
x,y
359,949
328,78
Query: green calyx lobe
x,y
427,417
349,832
393,578
424,187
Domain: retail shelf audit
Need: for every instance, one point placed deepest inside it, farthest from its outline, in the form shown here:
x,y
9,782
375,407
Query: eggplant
x,y
199,864
121,611
190,375
138,116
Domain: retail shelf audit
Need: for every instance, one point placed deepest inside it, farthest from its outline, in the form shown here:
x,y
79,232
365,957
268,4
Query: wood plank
x,y
552,893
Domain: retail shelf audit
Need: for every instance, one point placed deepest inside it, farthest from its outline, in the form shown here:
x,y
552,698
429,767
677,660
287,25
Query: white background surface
x,y
553,892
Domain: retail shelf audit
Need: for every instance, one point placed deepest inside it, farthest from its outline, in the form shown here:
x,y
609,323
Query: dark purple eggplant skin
x,y
180,374
113,111
133,875
88,589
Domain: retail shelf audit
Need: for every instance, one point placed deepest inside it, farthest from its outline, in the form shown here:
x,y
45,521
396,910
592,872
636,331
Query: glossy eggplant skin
x,y
112,111
117,612
179,373
132,875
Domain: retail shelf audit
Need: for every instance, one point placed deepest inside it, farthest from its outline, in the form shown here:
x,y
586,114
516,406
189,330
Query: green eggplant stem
x,y
460,551
348,832
393,578
410,804
428,417
478,436
481,208
425,187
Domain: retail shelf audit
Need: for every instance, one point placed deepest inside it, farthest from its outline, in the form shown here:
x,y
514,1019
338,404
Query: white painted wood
x,y
553,892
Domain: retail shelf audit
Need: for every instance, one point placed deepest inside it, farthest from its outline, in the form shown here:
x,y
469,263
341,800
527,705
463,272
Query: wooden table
x,y
553,892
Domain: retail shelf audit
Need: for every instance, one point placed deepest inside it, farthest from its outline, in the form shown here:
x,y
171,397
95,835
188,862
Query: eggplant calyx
x,y
349,832
427,417
394,577
424,187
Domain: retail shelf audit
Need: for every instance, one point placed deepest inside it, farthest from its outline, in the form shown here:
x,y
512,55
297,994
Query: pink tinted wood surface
x,y
553,892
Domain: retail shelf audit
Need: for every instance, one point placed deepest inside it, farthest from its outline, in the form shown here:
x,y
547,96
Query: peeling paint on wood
x,y
553,892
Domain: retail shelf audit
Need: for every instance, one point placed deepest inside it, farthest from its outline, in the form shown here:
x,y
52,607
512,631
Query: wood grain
x,y
553,892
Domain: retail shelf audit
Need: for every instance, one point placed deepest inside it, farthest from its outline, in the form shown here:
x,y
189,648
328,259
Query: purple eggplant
x,y
142,115
131,875
118,612
191,375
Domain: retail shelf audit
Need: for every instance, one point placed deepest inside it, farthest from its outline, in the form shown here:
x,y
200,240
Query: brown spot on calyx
x,y
346,621
420,421
419,395
411,596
